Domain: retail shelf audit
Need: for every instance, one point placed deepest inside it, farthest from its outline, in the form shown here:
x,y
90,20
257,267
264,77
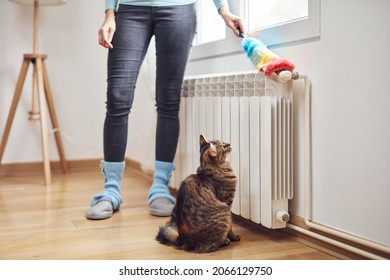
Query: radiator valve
x,y
282,216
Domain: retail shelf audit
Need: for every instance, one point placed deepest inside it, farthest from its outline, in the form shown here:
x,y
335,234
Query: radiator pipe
x,y
308,194
335,243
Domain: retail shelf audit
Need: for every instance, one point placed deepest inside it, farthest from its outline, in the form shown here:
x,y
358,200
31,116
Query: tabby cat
x,y
201,221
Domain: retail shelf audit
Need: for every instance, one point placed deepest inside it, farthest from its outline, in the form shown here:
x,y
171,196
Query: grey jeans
x,y
174,29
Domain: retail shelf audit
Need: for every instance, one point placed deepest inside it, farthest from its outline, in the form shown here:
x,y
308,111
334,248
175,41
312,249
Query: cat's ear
x,y
212,151
203,140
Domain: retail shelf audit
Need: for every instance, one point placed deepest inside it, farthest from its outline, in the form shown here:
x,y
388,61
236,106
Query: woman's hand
x,y
232,21
106,32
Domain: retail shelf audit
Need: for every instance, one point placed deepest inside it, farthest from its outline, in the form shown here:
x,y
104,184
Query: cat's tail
x,y
168,235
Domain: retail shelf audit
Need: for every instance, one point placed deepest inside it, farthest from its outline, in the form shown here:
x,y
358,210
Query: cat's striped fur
x,y
201,220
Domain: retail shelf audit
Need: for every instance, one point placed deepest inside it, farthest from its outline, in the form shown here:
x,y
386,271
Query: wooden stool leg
x,y
15,100
53,117
44,134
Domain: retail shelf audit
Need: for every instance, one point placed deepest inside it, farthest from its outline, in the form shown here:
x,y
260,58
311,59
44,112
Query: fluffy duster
x,y
265,61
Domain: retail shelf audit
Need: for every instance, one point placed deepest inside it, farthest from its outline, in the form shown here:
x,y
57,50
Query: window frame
x,y
291,32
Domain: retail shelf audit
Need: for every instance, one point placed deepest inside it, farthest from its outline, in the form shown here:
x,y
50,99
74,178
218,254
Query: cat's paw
x,y
234,237
225,242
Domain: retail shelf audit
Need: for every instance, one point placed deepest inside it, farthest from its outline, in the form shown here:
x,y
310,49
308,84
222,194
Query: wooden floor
x,y
39,222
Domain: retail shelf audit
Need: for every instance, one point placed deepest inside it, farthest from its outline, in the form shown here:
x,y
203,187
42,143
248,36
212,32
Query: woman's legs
x,y
174,30
130,42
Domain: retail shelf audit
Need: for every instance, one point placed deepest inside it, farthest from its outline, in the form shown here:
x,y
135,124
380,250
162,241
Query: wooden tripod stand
x,y
41,91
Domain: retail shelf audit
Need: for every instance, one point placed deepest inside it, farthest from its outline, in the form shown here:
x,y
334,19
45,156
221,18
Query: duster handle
x,y
240,34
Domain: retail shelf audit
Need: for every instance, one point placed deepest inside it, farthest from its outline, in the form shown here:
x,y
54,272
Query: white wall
x,y
347,66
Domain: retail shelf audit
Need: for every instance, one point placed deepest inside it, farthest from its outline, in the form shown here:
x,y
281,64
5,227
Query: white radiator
x,y
254,114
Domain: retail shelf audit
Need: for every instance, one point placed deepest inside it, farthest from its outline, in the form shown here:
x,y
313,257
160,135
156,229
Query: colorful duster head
x,y
264,60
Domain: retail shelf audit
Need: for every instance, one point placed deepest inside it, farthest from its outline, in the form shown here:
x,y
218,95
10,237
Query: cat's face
x,y
216,150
